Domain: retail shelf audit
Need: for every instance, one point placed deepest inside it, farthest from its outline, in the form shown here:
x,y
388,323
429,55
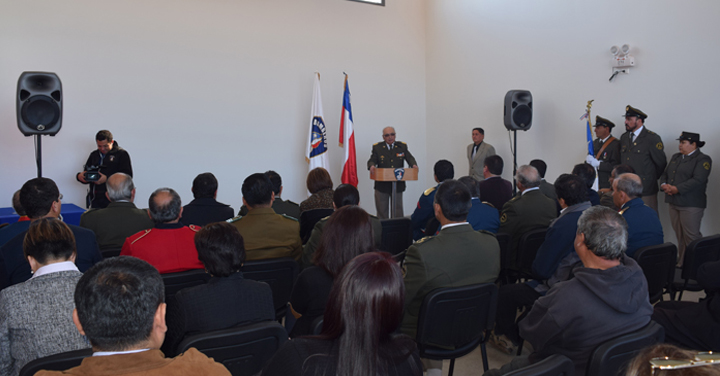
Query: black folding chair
x,y
529,244
308,219
553,365
658,265
396,235
175,282
280,274
57,362
612,356
243,350
453,321
697,253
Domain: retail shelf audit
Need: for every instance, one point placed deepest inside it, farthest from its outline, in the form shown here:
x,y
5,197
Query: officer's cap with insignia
x,y
692,137
632,111
601,121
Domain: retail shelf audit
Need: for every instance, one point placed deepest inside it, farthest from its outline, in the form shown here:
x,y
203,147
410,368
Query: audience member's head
x,y
17,206
318,179
347,233
494,164
119,305
40,197
165,206
276,181
205,185
120,187
571,189
257,190
47,241
586,173
619,170
540,166
605,232
625,188
443,170
364,309
344,195
641,366
453,202
471,184
527,177
104,135
220,248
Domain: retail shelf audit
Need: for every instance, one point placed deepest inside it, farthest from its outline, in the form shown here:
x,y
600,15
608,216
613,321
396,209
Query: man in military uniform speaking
x,y
389,154
642,150
607,152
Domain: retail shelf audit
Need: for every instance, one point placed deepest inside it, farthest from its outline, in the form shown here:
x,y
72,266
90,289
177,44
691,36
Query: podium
x,y
394,175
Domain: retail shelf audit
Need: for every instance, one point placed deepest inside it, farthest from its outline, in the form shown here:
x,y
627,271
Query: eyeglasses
x,y
60,197
701,359
388,134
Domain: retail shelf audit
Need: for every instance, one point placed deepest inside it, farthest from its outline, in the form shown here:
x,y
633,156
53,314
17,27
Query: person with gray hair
x,y
121,218
643,223
170,245
606,298
529,210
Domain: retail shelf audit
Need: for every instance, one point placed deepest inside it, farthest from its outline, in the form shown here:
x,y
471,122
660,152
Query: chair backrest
x,y
528,246
504,241
279,273
57,362
110,252
612,356
658,265
242,350
317,325
699,252
456,316
396,235
553,365
175,282
308,219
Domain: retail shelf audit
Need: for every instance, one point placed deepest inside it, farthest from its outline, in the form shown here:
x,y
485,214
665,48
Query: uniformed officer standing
x,y
684,183
389,154
642,150
607,151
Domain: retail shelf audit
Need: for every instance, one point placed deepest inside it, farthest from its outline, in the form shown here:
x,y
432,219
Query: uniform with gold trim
x,y
269,235
645,154
610,157
457,256
169,247
528,211
423,212
382,157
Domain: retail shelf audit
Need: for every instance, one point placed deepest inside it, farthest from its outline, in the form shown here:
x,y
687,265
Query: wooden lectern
x,y
394,175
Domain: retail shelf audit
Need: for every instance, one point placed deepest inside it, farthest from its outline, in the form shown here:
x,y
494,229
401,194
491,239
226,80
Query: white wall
x,y
559,50
189,86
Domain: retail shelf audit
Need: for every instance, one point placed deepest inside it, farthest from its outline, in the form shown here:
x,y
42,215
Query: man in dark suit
x,y
40,198
457,256
494,189
553,262
424,212
607,151
529,210
481,216
280,206
587,173
643,150
548,189
112,225
204,208
644,226
389,154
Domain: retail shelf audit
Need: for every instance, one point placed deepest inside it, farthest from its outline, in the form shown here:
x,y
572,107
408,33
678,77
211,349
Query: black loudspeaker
x,y
39,103
518,110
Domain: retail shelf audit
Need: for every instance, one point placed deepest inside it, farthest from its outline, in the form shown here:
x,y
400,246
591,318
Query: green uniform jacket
x,y
115,223
280,206
608,160
690,176
523,213
646,156
269,235
457,256
314,242
381,157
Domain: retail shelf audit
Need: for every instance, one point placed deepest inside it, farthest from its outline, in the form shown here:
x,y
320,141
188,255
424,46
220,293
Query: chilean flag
x,y
347,140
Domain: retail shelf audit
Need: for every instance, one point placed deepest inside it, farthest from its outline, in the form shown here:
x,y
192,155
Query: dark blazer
x,y
219,304
483,217
202,211
115,223
646,156
495,190
644,226
608,160
559,241
525,212
14,268
690,176
12,230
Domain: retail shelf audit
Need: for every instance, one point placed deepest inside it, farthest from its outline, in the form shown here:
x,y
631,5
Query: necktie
x,y
632,137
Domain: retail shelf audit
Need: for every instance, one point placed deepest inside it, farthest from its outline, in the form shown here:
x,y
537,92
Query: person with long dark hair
x,y
347,234
358,336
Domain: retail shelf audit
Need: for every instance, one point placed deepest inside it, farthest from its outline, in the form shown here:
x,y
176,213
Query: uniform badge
x,y
399,173
707,165
112,158
503,218
400,155
659,146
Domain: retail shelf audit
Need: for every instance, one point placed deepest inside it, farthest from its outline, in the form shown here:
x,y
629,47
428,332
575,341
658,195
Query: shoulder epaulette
x,y
194,228
400,142
489,204
622,211
515,198
486,232
378,143
289,217
423,240
141,236
428,191
292,202
234,219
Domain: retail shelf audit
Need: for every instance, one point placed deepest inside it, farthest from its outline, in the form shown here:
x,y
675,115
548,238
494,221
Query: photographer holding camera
x,y
108,159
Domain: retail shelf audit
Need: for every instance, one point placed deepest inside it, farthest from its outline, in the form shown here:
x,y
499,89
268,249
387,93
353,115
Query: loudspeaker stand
x,y
514,161
38,154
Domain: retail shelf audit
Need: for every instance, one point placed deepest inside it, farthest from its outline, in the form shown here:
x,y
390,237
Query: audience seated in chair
x,y
481,216
494,189
587,174
285,207
169,246
644,226
443,170
358,335
320,186
8,231
606,194
204,208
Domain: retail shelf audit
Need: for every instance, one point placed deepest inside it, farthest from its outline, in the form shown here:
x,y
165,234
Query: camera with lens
x,y
92,173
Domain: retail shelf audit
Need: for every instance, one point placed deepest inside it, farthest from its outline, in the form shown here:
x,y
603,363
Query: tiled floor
x,y
471,364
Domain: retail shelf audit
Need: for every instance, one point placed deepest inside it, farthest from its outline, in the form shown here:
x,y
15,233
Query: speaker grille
x,y
522,115
40,112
